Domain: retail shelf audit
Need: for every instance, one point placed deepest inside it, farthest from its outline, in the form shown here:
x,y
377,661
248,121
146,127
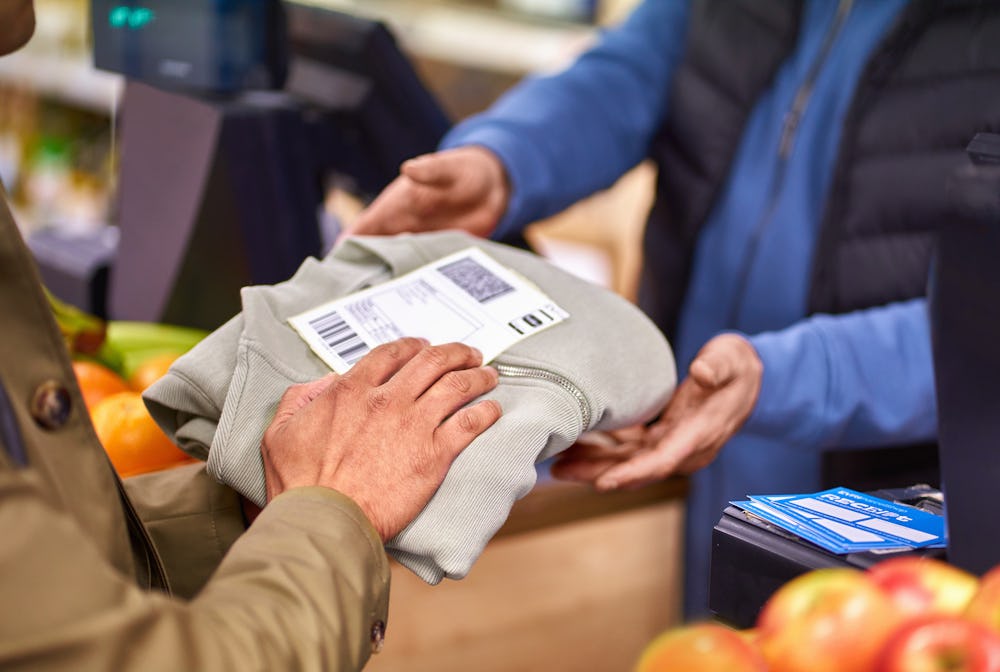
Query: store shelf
x,y
471,37
69,79
474,37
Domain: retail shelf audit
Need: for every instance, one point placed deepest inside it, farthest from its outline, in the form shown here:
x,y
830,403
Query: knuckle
x,y
400,349
458,382
423,466
377,400
476,419
471,421
346,384
390,350
437,355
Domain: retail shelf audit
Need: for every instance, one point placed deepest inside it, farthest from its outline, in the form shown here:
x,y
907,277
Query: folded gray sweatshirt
x,y
605,367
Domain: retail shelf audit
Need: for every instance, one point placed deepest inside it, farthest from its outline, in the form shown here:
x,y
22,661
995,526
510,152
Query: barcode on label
x,y
477,281
338,335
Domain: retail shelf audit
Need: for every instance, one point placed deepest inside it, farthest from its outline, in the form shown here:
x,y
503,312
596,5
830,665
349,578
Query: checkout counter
x,y
751,559
574,580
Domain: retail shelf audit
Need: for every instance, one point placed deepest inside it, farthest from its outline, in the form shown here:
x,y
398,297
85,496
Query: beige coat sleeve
x,y
191,518
302,589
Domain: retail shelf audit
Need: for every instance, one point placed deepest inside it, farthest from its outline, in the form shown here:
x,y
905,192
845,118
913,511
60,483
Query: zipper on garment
x,y
789,131
512,371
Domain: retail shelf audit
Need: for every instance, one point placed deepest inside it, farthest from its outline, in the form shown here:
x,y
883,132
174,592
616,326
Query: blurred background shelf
x,y
473,35
57,63
69,79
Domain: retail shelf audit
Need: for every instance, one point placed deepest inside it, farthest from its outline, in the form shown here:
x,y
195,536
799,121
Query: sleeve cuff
x,y
787,367
312,508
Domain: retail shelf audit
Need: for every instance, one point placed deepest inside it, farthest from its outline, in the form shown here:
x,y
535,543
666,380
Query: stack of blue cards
x,y
842,520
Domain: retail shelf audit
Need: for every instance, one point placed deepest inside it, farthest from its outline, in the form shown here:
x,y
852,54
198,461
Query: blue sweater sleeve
x,y
562,137
861,379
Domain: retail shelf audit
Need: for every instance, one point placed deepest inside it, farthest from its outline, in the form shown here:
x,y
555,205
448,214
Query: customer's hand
x,y
464,188
385,432
707,408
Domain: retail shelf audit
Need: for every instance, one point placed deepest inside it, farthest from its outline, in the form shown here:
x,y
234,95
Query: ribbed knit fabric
x,y
217,400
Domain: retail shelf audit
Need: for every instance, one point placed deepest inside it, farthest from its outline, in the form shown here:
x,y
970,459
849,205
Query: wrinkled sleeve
x,y
300,590
564,136
192,519
862,379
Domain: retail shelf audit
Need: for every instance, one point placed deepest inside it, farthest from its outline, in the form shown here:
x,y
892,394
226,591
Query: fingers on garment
x,y
455,389
665,459
430,366
581,470
382,363
297,397
586,461
461,428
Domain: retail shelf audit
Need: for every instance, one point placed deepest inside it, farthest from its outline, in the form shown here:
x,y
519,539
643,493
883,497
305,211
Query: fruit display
x,y
114,361
904,614
134,442
702,647
129,345
82,332
97,381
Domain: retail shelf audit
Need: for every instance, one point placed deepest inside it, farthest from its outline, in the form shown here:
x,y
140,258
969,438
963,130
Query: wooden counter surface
x,y
574,581
559,502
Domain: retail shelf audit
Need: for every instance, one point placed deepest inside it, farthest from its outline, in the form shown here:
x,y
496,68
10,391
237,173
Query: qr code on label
x,y
476,280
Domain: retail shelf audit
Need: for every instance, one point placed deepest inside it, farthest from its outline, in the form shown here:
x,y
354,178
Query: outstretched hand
x,y
706,410
464,188
384,433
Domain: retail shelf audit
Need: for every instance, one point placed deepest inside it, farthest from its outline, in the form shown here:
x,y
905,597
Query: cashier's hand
x,y
707,408
384,433
463,188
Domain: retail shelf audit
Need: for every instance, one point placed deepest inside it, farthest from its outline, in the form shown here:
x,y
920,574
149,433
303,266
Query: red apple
x,y
924,585
827,620
941,643
984,607
701,647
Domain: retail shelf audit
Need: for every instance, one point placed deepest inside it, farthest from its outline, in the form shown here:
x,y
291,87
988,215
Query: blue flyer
x,y
842,520
762,510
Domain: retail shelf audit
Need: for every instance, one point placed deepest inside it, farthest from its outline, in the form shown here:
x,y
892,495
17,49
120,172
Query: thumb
x,y
430,169
712,368
298,397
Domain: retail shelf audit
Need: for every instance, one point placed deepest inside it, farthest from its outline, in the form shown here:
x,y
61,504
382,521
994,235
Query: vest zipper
x,y
804,93
789,131
511,371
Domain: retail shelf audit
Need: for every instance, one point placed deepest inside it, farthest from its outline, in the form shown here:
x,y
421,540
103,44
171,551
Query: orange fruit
x,y
97,381
132,439
151,370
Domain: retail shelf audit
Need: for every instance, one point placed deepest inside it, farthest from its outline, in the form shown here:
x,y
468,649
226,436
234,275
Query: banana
x,y
122,345
130,343
83,333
